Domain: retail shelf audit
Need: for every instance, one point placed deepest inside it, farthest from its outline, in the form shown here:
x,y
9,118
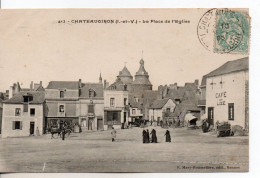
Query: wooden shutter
x,y
21,125
13,125
119,117
105,119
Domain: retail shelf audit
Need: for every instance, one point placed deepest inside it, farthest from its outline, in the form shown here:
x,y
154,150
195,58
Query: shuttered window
x,y
17,125
25,107
230,111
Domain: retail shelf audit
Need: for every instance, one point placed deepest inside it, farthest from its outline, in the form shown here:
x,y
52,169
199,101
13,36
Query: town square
x,y
92,96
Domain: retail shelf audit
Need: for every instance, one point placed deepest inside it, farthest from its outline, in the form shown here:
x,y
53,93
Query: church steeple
x,y
100,78
142,77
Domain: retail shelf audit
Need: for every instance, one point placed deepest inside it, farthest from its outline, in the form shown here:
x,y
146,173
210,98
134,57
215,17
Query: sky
x,y
35,47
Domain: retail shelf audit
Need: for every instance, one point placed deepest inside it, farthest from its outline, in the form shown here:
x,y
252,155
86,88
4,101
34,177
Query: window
x,y
61,94
133,111
125,101
112,102
168,109
61,108
25,107
32,111
230,111
17,111
91,93
17,125
91,108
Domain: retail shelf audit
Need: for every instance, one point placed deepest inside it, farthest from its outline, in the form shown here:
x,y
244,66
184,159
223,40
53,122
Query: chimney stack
x,y
31,86
196,82
40,83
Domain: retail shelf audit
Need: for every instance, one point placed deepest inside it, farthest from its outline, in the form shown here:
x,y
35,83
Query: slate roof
x,y
159,103
229,67
74,85
118,85
38,98
124,73
97,87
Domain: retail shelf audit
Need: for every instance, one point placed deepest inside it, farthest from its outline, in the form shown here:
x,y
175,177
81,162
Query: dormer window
x,y
91,93
61,94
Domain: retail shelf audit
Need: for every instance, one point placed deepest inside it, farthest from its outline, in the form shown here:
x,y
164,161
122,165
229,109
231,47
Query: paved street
x,y
94,152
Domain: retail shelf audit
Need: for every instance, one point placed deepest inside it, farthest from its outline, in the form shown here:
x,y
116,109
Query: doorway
x,y
31,128
100,124
90,124
211,115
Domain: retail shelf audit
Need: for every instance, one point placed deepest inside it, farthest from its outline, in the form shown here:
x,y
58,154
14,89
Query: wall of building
x,y
231,91
118,95
55,93
157,114
71,109
24,117
98,112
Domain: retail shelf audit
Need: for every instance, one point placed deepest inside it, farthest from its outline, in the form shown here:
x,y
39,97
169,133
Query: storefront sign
x,y
221,98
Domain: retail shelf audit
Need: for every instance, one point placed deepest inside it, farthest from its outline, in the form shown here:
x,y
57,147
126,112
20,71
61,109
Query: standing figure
x,y
63,133
154,137
113,133
168,136
144,136
37,132
147,136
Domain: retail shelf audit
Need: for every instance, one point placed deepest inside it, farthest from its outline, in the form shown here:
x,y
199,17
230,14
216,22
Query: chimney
x,y
80,83
40,83
196,82
31,86
80,86
10,92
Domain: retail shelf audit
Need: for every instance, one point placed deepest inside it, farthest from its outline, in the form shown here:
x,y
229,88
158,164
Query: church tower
x,y
125,76
142,81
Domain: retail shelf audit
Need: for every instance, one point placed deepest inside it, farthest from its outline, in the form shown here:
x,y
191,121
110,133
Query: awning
x,y
189,117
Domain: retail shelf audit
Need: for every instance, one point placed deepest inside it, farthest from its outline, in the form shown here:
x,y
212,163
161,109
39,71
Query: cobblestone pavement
x,y
189,151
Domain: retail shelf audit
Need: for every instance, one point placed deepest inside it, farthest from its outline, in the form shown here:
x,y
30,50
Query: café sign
x,y
220,96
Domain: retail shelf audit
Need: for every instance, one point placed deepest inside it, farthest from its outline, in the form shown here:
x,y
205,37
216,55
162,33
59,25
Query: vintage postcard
x,y
124,90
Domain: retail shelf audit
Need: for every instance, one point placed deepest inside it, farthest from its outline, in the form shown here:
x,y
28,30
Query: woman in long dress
x,y
144,136
168,136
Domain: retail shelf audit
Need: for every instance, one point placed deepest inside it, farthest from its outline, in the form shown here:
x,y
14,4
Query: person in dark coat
x,y
144,136
147,136
63,134
154,137
168,136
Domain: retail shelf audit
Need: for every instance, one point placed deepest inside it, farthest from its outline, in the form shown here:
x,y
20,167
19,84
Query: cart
x,y
224,129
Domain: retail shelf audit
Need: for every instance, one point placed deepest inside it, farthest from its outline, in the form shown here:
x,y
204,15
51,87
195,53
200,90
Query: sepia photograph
x,y
136,90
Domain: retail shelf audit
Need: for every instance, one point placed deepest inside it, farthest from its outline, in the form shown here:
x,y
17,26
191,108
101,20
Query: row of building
x,y
222,96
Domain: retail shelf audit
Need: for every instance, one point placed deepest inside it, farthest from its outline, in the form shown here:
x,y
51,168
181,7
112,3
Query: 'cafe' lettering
x,y
220,96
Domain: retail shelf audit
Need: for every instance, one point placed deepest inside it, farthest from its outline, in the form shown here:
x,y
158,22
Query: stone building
x,y
24,115
227,93
116,110
62,98
159,108
91,106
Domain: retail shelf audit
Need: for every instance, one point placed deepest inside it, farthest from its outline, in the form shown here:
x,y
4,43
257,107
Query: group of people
x,y
146,136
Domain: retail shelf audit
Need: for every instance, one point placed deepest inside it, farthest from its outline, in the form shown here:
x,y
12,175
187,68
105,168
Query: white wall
x,y
118,95
25,118
159,112
233,90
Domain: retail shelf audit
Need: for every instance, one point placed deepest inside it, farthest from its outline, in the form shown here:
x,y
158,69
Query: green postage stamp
x,y
232,31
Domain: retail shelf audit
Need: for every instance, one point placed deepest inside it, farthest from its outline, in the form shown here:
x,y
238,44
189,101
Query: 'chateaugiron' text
x,y
88,21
